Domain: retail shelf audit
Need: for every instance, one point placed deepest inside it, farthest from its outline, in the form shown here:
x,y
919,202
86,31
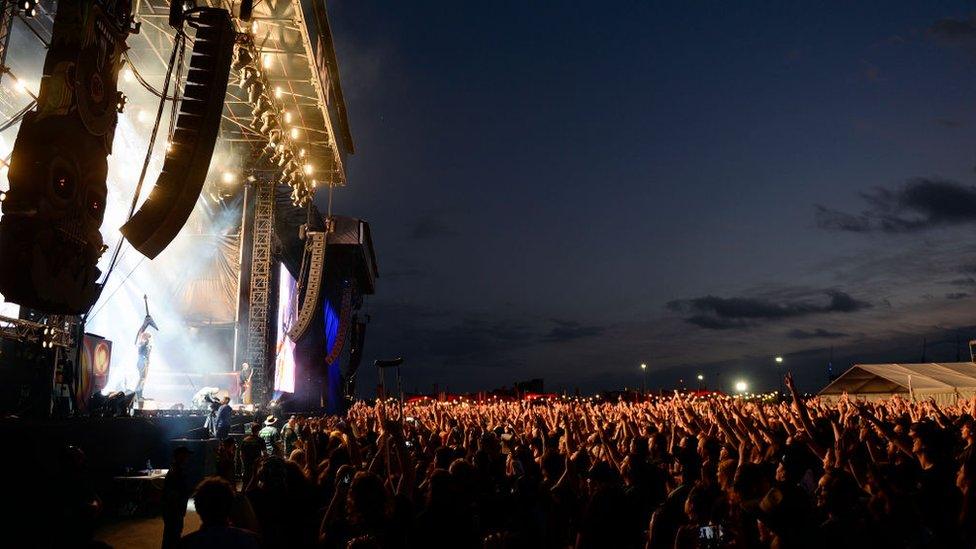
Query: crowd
x,y
682,472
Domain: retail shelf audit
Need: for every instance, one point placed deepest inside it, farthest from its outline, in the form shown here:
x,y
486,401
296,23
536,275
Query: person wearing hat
x,y
176,492
271,436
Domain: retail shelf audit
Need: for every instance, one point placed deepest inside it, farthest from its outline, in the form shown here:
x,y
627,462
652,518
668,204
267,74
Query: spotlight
x,y
314,183
307,169
741,386
267,122
294,133
254,27
29,7
19,85
249,77
142,116
242,58
287,117
262,105
127,75
254,92
301,153
266,61
277,92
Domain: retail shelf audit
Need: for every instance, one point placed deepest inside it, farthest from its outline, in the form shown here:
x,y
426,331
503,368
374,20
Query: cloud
x,y
954,31
916,205
721,313
566,330
956,295
819,333
431,225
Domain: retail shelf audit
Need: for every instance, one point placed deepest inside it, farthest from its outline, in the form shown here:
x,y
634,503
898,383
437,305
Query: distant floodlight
x,y
700,377
314,183
643,366
228,177
779,360
741,386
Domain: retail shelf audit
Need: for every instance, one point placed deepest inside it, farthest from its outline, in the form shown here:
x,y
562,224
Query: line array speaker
x,y
171,200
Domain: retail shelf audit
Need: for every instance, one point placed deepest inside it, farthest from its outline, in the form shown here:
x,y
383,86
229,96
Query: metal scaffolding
x,y
258,327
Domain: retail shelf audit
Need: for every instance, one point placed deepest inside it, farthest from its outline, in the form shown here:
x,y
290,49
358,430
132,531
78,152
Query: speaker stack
x,y
171,200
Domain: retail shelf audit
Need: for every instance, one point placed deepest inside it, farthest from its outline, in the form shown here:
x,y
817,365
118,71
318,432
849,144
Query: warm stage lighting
x,y
779,360
266,61
741,386
254,27
228,177
128,75
700,377
294,133
277,92
287,117
19,85
308,169
142,116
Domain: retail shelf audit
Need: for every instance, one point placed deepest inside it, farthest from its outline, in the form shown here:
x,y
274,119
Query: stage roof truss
x,y
301,79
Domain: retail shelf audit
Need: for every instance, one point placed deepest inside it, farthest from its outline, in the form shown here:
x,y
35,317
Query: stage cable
x,y
178,45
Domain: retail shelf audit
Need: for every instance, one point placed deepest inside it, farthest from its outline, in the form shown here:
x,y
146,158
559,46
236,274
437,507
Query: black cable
x,y
145,165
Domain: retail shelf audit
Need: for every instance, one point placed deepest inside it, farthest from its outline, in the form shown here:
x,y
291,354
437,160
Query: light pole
x,y
779,372
644,379
701,379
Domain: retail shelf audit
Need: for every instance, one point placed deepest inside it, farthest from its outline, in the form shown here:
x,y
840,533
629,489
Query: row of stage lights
x,y
272,121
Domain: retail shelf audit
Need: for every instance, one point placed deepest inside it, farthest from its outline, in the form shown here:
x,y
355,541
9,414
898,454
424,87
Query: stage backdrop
x,y
96,358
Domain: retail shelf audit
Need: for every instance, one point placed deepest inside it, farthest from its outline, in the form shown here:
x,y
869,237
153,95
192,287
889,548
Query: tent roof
x,y
896,378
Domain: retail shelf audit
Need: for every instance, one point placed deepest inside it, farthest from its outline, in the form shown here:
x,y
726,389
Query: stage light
x,y
287,117
741,386
700,377
228,177
294,133
308,169
127,75
254,27
301,153
277,92
19,85
142,116
29,7
266,61
779,360
314,183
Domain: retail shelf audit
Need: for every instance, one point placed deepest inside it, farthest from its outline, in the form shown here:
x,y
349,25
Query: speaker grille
x,y
171,200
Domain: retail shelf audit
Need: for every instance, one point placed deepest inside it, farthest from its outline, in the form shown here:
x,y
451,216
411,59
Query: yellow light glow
x,y
741,386
287,117
314,183
19,85
228,177
301,153
142,116
266,61
277,92
294,133
254,27
779,359
128,75
308,169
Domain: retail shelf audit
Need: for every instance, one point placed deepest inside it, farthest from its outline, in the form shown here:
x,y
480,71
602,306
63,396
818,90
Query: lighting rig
x,y
272,121
54,331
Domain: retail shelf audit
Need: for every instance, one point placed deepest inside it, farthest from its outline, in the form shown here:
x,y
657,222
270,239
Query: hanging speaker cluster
x,y
49,235
171,200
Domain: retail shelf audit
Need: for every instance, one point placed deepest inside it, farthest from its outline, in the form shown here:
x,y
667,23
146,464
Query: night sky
x,y
565,190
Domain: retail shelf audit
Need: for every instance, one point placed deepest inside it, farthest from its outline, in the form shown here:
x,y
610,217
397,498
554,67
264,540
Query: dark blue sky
x,y
564,190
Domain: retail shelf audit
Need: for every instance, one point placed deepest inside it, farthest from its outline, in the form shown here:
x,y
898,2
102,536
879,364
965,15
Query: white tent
x,y
945,382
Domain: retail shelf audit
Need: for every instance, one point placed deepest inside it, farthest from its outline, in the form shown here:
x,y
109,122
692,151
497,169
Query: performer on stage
x,y
245,376
144,340
223,418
